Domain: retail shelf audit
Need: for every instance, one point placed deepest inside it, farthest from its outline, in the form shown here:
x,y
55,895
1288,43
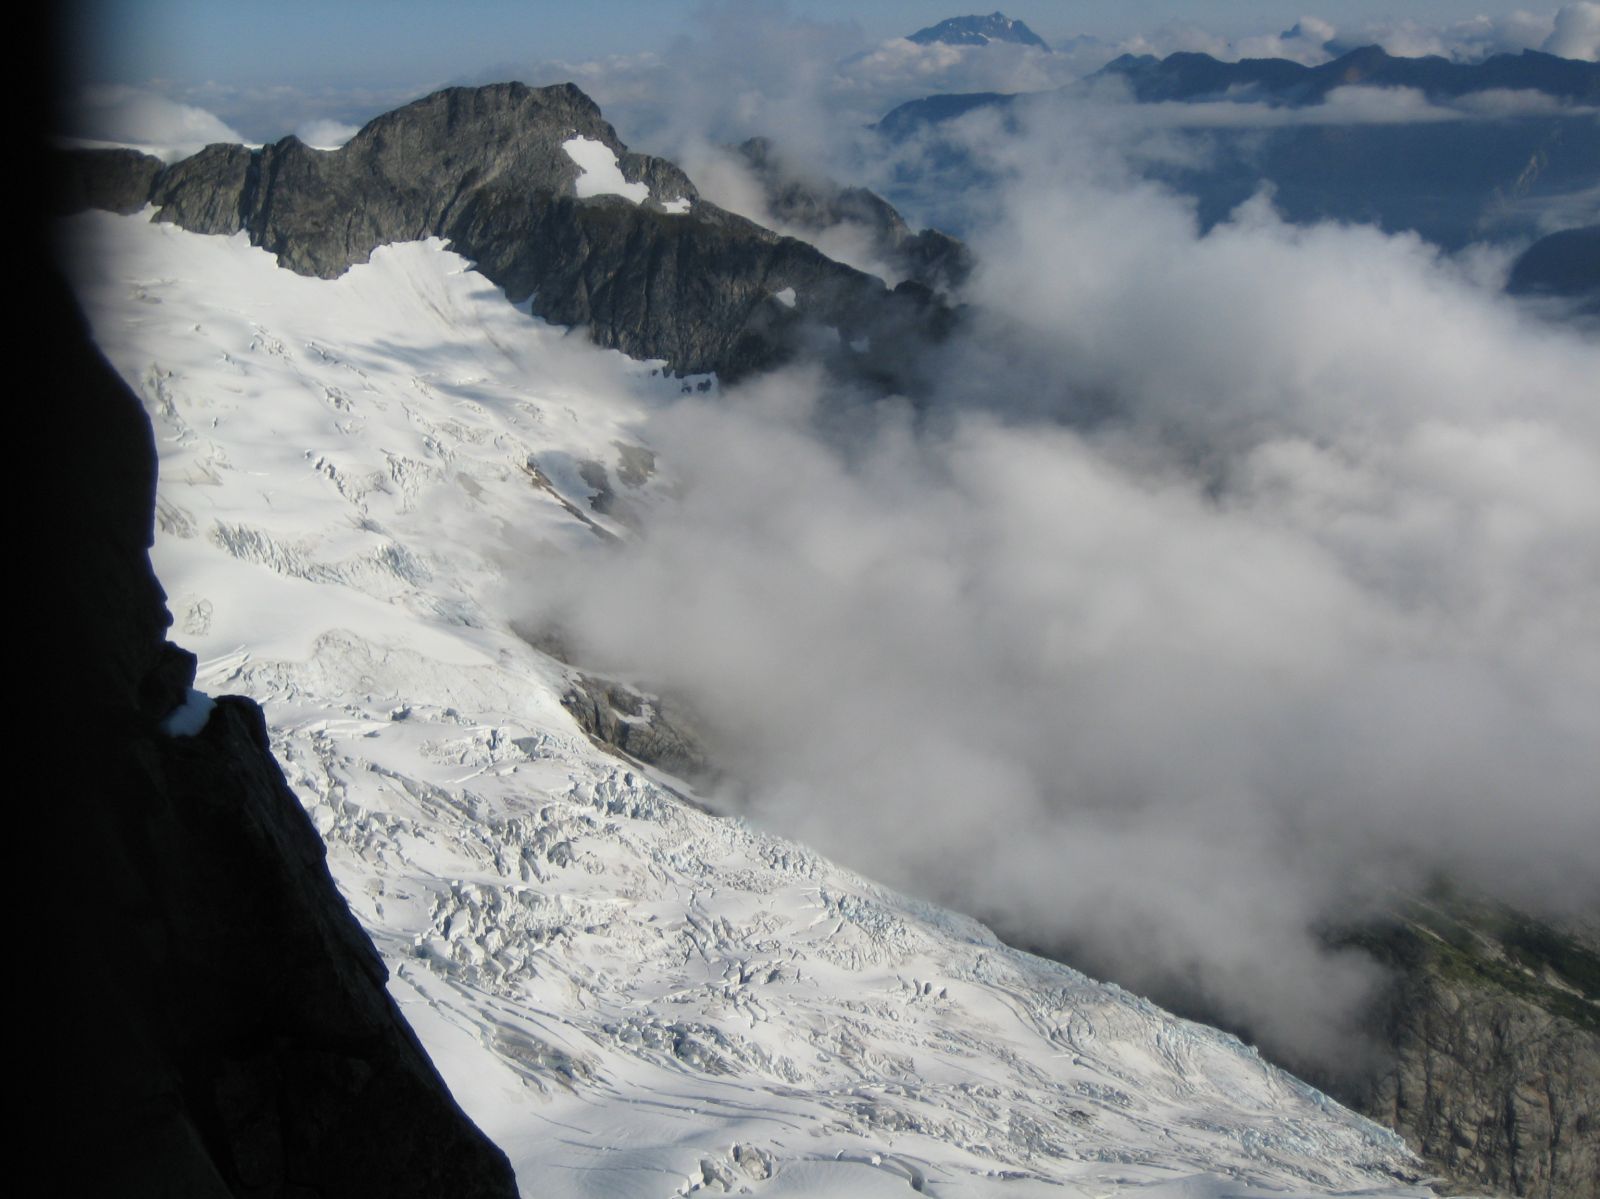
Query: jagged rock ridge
x,y
485,168
804,201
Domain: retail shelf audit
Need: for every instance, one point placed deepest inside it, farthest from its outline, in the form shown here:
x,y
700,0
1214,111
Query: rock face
x,y
216,1020
813,204
115,180
673,277
1492,1037
642,726
1483,1049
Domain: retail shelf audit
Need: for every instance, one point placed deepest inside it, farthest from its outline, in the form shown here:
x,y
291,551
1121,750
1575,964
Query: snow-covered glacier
x,y
631,996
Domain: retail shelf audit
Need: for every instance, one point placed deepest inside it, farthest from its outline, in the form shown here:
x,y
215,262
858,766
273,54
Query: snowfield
x,y
632,997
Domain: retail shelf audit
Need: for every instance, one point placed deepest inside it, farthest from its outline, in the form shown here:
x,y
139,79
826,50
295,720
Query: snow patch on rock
x,y
599,174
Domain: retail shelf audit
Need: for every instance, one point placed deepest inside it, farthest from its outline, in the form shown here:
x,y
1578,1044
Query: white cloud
x,y
132,116
326,134
1577,32
1509,102
1227,582
1353,104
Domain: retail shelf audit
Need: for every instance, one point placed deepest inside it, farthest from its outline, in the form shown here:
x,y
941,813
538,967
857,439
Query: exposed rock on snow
x,y
636,724
1492,1032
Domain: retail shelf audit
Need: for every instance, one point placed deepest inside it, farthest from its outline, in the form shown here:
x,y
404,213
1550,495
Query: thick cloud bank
x,y
1231,582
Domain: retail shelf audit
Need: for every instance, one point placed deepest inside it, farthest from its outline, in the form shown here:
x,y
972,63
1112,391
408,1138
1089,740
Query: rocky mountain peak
x,y
637,258
978,31
409,174
501,128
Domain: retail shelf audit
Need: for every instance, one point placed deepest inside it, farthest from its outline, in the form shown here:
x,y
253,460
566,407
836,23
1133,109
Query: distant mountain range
x,y
978,31
1453,181
1192,77
1188,76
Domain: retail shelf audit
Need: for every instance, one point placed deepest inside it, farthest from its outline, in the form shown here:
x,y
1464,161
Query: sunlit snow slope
x,y
631,997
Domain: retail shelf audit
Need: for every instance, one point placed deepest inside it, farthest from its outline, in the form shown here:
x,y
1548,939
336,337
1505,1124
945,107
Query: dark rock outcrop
x,y
214,1019
1491,1047
643,727
484,168
115,180
407,175
1482,1048
814,204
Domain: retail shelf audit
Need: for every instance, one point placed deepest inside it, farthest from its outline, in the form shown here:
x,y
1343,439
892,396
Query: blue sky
x,y
187,70
388,41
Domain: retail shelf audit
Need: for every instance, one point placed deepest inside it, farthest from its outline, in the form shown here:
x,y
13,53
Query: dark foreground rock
x,y
212,1020
485,169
